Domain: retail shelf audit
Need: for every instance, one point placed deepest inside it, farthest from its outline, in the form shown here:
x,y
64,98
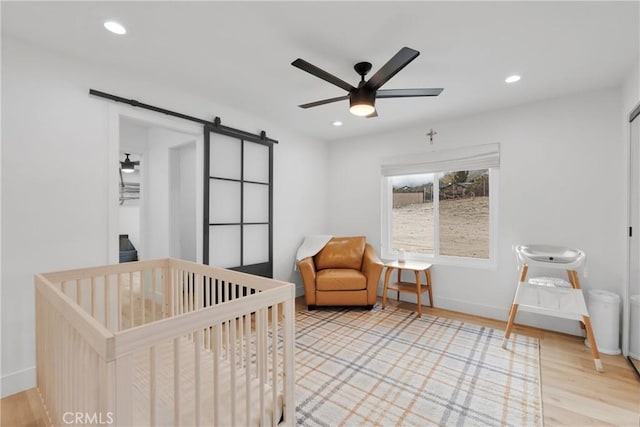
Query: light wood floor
x,y
573,393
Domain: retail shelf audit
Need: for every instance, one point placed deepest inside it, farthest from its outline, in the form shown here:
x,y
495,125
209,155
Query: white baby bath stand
x,y
544,296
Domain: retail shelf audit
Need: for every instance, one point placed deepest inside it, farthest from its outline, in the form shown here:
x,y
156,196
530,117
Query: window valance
x,y
464,158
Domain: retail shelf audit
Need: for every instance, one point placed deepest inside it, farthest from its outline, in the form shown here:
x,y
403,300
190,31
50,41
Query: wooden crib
x,y
165,342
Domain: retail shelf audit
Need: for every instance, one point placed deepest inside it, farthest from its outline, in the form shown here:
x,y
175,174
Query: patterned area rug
x,y
391,368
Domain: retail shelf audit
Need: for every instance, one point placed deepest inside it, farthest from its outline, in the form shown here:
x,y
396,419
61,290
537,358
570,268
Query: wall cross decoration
x,y
431,134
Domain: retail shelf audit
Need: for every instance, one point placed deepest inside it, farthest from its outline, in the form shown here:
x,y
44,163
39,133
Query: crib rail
x,y
218,343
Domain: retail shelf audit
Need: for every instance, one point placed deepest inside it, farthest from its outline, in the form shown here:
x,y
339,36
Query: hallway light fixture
x,y
128,166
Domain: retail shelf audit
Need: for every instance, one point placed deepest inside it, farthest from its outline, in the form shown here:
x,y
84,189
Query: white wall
x,y
51,220
182,196
631,90
155,221
561,182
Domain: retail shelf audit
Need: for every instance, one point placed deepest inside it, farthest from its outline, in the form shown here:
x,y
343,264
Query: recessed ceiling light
x,y
337,123
512,79
115,27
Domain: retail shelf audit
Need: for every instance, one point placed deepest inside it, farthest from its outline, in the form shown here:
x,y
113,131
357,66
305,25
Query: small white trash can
x,y
634,327
604,311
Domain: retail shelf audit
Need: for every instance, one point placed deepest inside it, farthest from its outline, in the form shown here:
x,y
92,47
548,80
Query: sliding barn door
x,y
238,203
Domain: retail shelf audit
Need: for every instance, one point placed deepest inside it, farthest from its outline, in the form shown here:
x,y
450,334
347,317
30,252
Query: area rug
x,y
391,368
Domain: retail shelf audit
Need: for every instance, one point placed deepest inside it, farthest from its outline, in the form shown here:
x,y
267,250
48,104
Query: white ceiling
x,y
239,53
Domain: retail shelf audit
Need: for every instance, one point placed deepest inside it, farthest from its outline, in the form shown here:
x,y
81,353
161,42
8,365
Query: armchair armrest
x,y
308,273
371,268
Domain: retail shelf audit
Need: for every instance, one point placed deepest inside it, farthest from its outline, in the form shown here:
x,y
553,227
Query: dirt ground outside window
x,y
464,228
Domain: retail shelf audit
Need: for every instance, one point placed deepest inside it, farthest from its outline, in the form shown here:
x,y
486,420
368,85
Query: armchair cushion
x,y
340,279
341,252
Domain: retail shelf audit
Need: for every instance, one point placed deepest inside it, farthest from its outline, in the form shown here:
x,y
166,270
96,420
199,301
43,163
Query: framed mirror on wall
x,y
631,329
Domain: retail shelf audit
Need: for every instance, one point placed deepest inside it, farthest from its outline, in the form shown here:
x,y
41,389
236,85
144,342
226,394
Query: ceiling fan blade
x,y
391,68
408,93
372,115
136,163
324,101
312,69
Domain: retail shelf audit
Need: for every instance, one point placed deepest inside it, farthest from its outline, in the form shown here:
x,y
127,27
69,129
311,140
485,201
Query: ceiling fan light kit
x,y
362,98
362,102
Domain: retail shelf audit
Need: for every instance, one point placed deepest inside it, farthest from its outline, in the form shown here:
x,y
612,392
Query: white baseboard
x,y
17,382
497,313
299,290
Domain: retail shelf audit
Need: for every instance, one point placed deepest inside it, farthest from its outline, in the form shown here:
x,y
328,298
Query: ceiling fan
x,y
128,166
363,97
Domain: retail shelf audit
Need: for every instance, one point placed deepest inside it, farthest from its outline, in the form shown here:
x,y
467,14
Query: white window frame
x,y
437,162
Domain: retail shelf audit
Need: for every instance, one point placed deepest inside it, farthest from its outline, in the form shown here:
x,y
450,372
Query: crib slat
x,y
142,276
176,292
186,292
233,369
199,298
227,345
247,374
51,360
154,291
183,292
262,359
67,389
153,405
93,297
78,292
119,288
216,376
132,322
191,292
197,348
124,396
176,382
83,376
289,361
274,362
105,297
240,340
73,369
171,285
107,390
180,290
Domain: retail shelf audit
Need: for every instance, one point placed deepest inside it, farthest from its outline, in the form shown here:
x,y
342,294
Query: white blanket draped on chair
x,y
310,246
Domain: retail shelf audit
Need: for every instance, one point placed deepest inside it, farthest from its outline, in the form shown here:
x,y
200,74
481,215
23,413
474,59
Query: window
x,y
439,213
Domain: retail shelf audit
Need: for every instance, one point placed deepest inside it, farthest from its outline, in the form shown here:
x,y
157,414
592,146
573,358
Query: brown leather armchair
x,y
345,272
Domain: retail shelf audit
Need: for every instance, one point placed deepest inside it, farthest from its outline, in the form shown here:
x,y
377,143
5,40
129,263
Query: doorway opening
x,y
158,210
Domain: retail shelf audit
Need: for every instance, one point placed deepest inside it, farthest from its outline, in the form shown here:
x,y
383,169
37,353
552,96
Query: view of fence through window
x,y
463,213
